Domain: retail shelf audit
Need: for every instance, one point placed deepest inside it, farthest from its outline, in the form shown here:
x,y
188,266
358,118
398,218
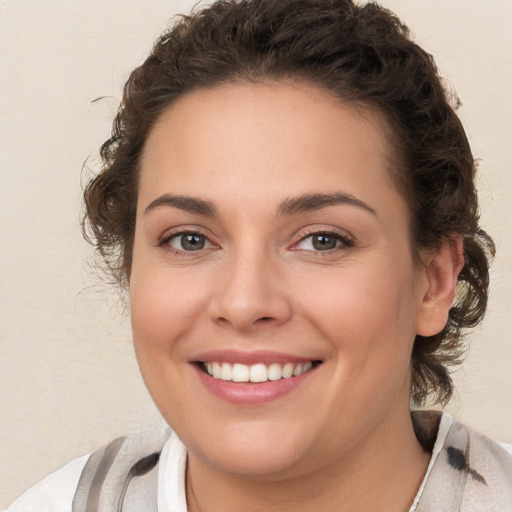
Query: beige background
x,y
68,379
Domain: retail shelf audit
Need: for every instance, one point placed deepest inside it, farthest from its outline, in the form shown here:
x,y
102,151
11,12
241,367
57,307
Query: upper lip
x,y
249,357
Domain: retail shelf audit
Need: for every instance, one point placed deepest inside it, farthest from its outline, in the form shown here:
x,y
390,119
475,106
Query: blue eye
x,y
188,242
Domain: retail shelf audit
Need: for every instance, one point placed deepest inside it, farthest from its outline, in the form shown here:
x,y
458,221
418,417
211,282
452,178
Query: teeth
x,y
225,373
257,372
274,372
240,373
216,370
307,366
303,368
288,370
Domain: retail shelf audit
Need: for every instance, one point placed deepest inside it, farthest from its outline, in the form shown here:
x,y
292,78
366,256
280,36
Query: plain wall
x,y
68,378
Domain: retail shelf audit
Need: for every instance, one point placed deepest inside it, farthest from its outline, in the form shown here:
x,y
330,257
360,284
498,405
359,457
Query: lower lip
x,y
249,392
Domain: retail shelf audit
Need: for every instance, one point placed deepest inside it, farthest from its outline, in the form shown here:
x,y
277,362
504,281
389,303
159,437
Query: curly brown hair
x,y
363,54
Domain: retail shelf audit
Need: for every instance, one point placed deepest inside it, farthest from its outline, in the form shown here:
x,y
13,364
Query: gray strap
x,y
140,490
139,469
123,475
93,475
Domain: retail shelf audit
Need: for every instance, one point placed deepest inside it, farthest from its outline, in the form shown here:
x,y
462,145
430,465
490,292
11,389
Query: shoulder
x,y
468,471
472,473
492,457
489,473
484,449
115,462
55,492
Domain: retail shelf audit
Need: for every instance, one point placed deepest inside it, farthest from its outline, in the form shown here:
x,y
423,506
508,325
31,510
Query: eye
x,y
188,242
323,241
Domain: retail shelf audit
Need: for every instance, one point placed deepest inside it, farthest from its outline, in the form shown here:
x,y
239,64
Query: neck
x,y
382,476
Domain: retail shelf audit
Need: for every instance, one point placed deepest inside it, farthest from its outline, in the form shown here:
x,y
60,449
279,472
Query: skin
x,y
259,283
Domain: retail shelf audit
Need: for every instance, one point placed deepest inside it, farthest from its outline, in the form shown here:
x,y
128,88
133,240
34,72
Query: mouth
x,y
255,373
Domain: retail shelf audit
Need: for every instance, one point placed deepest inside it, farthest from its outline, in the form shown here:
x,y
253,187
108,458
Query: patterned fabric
x,y
471,473
467,473
122,476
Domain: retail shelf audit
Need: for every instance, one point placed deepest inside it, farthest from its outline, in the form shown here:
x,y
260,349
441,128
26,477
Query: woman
x,y
289,198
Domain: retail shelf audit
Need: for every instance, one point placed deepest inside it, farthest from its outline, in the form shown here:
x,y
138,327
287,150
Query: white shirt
x,y
55,492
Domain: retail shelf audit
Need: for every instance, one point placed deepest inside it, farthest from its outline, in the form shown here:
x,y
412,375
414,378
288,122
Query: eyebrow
x,y
290,206
187,203
311,202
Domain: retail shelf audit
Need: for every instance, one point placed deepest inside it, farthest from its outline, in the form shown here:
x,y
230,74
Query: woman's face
x,y
271,240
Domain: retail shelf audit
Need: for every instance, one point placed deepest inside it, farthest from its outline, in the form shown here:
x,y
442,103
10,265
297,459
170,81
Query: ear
x,y
441,272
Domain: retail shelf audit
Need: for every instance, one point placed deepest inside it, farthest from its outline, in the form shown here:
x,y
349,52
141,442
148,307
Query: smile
x,y
259,372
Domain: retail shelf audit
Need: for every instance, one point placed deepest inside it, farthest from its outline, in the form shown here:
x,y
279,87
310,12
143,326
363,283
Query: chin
x,y
257,449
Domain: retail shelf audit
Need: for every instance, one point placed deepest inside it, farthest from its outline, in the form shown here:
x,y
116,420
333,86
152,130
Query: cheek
x,y
163,306
161,310
162,313
367,312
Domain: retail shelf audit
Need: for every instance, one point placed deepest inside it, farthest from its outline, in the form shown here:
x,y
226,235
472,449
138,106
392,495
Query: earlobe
x,y
441,272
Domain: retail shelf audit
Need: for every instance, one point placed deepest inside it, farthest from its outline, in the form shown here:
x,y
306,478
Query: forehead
x,y
265,138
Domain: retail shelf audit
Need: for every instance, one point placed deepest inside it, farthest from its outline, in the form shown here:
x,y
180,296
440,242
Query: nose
x,y
250,293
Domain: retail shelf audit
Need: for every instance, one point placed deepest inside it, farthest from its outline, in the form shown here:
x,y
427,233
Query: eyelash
x,y
165,242
344,242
